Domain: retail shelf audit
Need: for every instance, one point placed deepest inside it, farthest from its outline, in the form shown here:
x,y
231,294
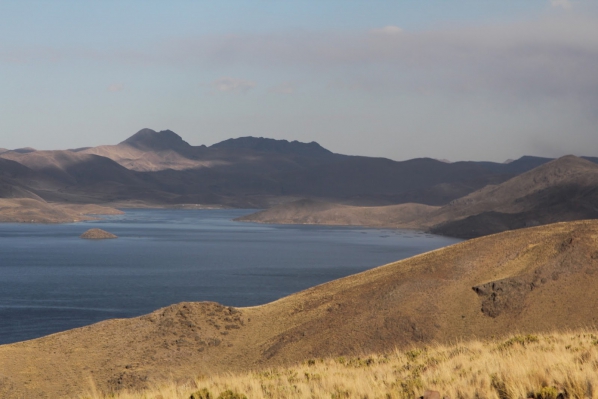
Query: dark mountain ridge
x,y
148,139
262,144
161,168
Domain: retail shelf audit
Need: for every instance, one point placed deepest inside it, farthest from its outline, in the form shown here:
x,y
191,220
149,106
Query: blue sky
x,y
401,79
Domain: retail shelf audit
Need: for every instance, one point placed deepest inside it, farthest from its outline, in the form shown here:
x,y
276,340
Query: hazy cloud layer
x,y
564,4
556,56
283,88
387,30
474,92
549,57
232,85
116,87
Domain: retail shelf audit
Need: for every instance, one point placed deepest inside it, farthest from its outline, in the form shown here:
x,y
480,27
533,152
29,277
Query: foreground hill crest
x,y
533,280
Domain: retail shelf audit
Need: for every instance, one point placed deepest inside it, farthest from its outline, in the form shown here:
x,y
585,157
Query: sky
x,y
447,79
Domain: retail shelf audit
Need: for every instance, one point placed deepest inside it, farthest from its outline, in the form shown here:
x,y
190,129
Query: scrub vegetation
x,y
543,366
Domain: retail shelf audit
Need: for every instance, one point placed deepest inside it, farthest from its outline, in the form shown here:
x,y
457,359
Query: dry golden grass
x,y
520,366
531,281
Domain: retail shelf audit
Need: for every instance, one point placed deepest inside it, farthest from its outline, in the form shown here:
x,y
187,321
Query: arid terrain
x,y
161,169
531,280
303,183
307,211
493,368
561,190
28,210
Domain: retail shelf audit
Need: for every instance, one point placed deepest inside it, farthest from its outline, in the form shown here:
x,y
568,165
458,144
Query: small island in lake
x,y
97,234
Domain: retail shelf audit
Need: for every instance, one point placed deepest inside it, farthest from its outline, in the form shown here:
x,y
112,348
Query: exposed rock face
x,y
97,234
503,295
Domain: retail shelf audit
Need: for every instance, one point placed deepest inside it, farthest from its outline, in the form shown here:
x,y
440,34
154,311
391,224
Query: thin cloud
x,y
564,4
283,88
232,85
553,57
115,87
387,30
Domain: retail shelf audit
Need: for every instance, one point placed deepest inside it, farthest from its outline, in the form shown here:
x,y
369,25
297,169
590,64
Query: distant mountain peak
x,y
24,150
273,145
148,139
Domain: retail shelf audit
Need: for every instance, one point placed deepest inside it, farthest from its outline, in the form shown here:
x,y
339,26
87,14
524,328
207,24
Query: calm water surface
x,y
51,280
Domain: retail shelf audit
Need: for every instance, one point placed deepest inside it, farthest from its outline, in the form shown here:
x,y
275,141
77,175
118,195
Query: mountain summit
x,y
150,140
272,145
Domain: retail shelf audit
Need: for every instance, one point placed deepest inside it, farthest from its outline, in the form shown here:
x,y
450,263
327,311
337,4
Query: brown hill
x,y
251,171
565,189
308,211
148,150
72,168
28,210
67,176
151,151
148,139
561,190
160,168
532,280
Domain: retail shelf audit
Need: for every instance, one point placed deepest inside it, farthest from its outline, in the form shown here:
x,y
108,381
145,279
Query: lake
x,y
51,280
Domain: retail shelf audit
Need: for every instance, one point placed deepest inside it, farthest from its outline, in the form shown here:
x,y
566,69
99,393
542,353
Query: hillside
x,y
28,210
561,190
565,189
74,177
496,368
317,212
160,168
534,280
151,151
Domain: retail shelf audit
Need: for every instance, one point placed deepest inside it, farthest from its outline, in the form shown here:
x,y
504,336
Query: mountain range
x,y
160,168
305,183
560,190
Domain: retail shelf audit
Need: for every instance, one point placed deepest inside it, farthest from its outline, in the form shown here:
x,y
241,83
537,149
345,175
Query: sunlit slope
x,y
28,210
505,367
308,211
561,190
531,280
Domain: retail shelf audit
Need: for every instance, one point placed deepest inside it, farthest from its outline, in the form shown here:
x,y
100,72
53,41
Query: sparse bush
x,y
516,367
522,340
546,393
228,394
201,394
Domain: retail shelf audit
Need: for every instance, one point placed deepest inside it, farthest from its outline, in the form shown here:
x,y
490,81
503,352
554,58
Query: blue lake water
x,y
51,280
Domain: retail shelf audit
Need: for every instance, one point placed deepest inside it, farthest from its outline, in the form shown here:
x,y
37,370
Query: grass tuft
x,y
548,366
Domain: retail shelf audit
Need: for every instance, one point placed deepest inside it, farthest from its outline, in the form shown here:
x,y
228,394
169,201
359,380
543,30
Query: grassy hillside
x,y
531,280
519,366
